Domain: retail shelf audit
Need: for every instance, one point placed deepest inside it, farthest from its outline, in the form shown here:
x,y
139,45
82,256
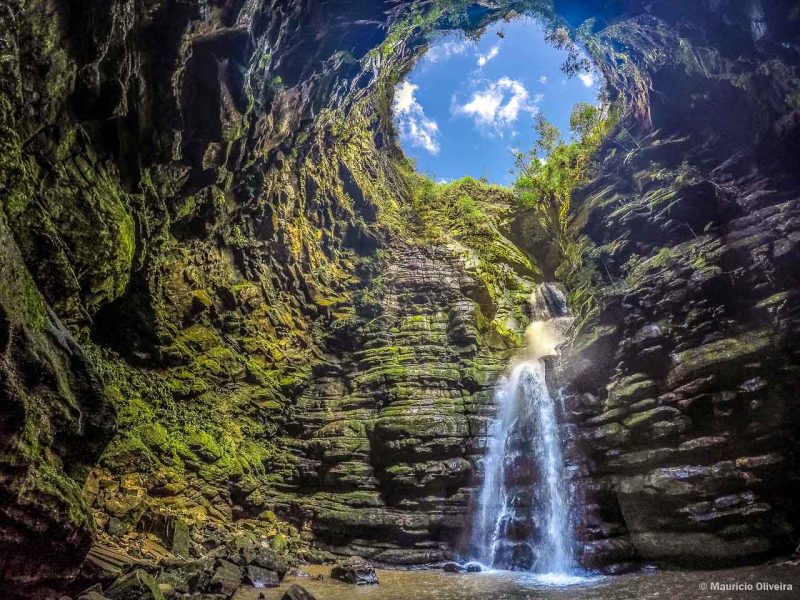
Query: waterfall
x,y
758,22
522,521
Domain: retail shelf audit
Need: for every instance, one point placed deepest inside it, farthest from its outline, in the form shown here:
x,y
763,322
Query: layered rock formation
x,y
390,428
684,380
211,244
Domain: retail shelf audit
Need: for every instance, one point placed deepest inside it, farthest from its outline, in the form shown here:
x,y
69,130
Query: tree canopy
x,y
547,174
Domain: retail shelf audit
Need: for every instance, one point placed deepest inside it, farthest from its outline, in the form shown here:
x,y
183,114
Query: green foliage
x,y
559,37
472,218
549,172
462,209
547,176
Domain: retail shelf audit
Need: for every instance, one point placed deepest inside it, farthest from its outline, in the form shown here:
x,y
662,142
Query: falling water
x,y
758,22
522,521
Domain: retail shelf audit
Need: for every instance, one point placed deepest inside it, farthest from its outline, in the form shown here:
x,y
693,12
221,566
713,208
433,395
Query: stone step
x,y
107,561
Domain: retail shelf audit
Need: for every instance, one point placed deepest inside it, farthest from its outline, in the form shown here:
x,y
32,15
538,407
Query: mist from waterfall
x,y
522,520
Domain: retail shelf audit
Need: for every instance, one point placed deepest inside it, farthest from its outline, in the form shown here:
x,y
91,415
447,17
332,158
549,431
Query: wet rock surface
x,y
297,592
392,429
355,570
693,434
682,386
220,312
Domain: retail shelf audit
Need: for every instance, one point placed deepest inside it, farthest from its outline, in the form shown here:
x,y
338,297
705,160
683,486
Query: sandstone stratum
x,y
240,334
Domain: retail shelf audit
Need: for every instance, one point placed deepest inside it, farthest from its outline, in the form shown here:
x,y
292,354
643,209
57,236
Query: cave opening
x,y
498,109
222,257
470,104
497,126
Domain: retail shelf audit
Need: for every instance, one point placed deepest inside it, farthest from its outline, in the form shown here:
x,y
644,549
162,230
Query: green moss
x,y
221,362
184,383
202,299
400,471
128,452
204,445
280,543
630,389
723,357
199,338
34,305
663,258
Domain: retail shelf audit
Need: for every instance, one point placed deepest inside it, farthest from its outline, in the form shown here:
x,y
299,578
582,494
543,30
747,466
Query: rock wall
x,y
211,244
172,234
392,427
684,381
200,201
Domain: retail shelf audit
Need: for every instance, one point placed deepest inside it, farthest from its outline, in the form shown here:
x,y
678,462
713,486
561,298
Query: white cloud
x,y
499,103
404,100
543,79
587,78
412,122
444,51
485,58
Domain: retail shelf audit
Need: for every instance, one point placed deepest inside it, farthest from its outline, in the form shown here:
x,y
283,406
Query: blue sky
x,y
466,104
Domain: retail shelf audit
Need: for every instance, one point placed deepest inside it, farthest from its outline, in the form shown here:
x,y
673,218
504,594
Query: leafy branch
x,y
546,177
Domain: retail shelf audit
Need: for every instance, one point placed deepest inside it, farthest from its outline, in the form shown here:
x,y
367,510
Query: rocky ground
x,y
229,309
240,568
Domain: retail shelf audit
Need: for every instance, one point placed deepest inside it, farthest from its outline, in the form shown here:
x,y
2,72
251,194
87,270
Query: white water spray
x,y
520,523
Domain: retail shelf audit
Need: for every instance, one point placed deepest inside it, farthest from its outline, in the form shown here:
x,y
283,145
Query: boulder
x,y
227,577
297,592
451,567
619,568
261,578
180,537
355,570
268,559
186,577
93,593
515,556
136,585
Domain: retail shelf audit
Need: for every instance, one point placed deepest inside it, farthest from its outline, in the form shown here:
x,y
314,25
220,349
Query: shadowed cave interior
x,y
241,337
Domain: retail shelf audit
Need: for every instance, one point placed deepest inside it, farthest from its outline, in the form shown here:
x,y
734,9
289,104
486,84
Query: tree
x,y
549,172
575,62
546,177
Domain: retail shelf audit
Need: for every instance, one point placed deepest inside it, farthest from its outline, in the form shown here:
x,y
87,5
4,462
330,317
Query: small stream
x,y
507,585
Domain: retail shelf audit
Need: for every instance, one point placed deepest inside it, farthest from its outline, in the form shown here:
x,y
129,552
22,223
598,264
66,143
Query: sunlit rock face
x,y
208,246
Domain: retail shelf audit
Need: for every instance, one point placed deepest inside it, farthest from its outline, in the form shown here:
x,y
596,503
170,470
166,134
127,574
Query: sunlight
x,y
469,105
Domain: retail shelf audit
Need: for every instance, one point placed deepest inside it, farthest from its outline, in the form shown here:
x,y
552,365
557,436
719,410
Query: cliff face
x,y
162,258
211,246
684,384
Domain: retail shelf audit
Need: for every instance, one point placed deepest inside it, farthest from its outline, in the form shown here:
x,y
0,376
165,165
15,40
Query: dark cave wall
x,y
204,193
165,254
683,382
